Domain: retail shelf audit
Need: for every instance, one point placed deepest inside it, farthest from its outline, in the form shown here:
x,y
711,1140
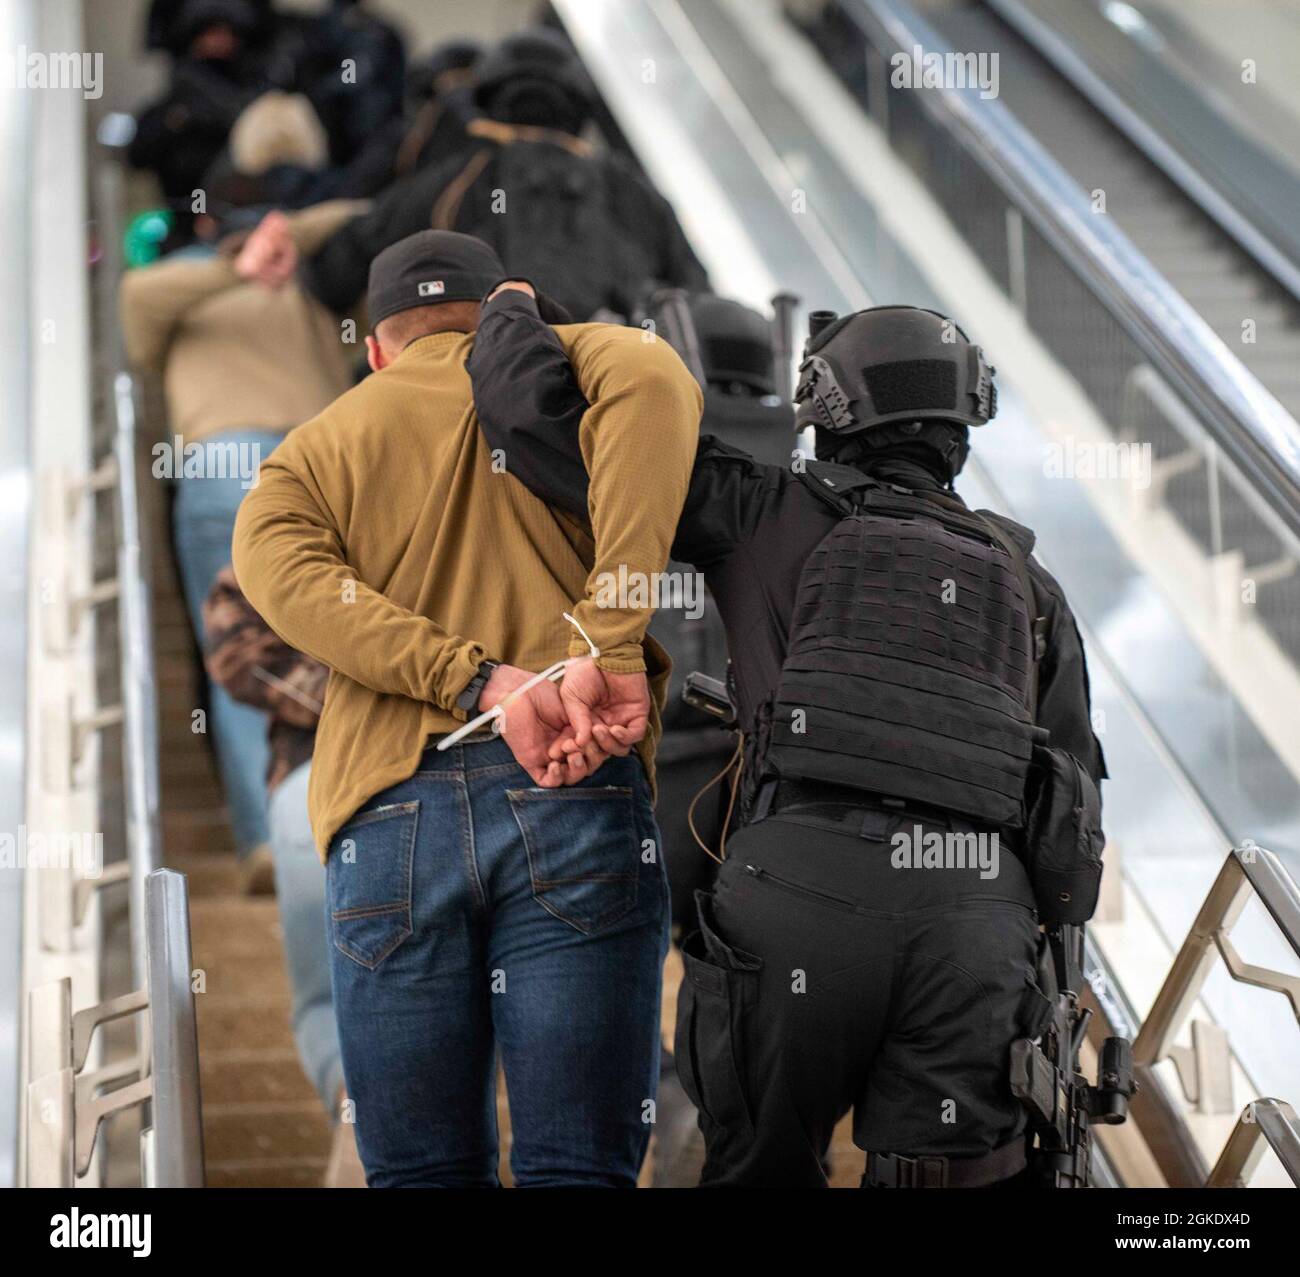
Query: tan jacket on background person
x,y
236,355
381,540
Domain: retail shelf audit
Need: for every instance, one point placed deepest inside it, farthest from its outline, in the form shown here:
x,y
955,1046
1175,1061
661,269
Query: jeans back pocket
x,y
369,882
583,854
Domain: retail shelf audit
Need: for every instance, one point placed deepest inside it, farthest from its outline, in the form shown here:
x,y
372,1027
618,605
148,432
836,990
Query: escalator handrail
x,y
1217,167
1245,420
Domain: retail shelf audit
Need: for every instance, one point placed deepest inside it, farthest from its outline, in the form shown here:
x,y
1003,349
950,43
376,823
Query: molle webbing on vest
x,y
910,663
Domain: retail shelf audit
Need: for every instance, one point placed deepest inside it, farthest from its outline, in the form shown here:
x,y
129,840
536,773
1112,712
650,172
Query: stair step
x,y
252,1076
272,1173
237,1022
233,1132
208,874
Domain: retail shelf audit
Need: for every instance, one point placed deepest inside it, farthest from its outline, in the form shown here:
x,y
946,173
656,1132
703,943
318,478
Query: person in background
x,y
483,899
351,65
278,154
219,65
347,63
243,356
277,157
440,103
583,223
249,661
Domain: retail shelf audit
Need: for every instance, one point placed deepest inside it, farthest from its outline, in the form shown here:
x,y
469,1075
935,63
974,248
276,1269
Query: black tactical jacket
x,y
579,222
748,527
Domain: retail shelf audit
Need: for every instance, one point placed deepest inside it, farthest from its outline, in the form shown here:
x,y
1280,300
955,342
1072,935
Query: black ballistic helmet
x,y
888,364
735,343
534,77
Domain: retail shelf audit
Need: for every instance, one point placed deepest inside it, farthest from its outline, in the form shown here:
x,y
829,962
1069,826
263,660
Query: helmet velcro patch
x,y
912,384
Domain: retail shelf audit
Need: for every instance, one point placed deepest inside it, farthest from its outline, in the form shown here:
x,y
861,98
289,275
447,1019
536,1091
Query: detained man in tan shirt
x,y
483,899
244,355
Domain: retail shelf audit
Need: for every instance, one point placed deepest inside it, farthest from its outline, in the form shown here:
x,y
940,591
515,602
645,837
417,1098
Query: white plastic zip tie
x,y
552,672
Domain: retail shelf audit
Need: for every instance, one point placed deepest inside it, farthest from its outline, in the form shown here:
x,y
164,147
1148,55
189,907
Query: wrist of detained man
x,y
458,675
621,658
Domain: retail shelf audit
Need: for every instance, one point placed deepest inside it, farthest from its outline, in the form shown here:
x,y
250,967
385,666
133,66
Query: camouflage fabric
x,y
247,658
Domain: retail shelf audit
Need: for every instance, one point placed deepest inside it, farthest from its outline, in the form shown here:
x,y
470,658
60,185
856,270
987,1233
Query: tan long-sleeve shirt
x,y
235,355
382,540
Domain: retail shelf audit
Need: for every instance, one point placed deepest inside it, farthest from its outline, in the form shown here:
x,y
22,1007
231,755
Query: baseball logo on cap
x,y
432,287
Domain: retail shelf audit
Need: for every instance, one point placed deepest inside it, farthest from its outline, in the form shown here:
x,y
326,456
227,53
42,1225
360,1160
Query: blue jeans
x,y
203,523
474,914
300,893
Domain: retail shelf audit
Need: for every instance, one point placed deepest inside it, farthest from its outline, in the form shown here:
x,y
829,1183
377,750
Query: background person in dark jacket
x,y
240,184
824,978
228,53
219,50
583,223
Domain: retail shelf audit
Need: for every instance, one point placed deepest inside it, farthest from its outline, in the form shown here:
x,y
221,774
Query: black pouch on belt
x,y
1063,837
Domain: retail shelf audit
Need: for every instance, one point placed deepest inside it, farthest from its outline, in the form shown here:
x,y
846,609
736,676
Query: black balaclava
x,y
910,453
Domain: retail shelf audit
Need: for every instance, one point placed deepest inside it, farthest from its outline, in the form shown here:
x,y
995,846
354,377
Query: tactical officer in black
x,y
870,942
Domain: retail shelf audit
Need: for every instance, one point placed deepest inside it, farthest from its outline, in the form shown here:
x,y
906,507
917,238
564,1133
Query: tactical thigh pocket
x,y
369,882
719,986
583,854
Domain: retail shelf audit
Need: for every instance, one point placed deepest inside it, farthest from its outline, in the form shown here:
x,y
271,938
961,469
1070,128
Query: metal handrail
x,y
140,755
1247,871
67,1103
1246,420
139,678
1264,1123
160,949
177,1140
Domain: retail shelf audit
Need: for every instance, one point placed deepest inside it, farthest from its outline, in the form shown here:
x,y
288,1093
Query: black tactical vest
x,y
911,666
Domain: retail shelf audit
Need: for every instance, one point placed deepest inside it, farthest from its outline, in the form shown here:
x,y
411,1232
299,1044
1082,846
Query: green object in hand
x,y
145,235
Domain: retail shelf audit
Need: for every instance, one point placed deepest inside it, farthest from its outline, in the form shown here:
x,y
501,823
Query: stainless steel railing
x,y
1264,1124
139,675
66,1104
1248,871
69,1091
135,609
172,1150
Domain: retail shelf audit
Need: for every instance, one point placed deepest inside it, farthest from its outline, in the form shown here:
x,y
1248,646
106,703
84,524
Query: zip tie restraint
x,y
552,672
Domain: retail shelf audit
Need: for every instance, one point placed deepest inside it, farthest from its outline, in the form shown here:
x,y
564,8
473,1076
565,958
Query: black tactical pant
x,y
823,978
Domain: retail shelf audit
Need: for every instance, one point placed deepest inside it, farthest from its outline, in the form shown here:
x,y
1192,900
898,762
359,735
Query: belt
x,y
788,794
872,815
891,1170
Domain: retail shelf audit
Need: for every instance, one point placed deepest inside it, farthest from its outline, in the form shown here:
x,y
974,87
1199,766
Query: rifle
x,y
1047,1078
